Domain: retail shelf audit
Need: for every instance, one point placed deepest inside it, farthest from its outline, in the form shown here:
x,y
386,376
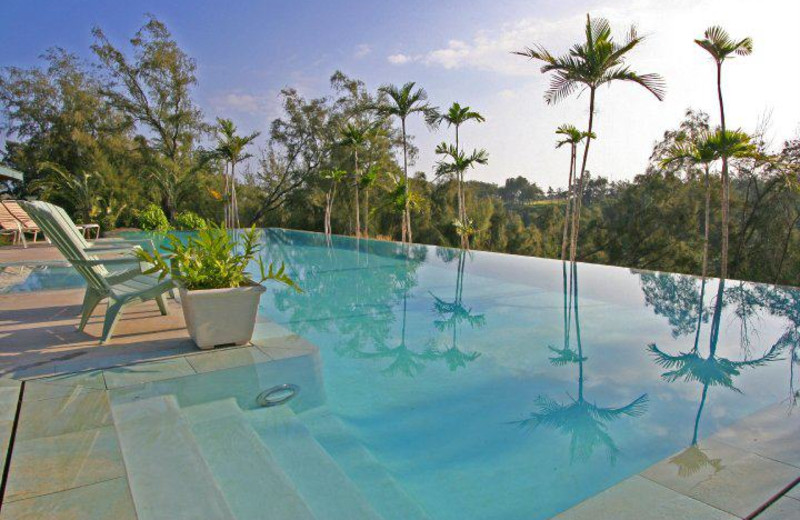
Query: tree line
x,y
107,136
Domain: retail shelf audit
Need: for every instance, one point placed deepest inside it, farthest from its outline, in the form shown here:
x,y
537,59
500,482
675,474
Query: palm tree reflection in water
x,y
453,314
584,421
709,371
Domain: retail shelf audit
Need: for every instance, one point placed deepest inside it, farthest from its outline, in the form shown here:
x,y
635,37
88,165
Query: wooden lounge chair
x,y
122,288
13,226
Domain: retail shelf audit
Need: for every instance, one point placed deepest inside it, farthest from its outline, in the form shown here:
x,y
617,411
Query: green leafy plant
x,y
152,218
213,259
189,221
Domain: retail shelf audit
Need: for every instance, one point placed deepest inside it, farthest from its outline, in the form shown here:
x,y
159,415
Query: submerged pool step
x,y
324,487
167,474
252,482
378,486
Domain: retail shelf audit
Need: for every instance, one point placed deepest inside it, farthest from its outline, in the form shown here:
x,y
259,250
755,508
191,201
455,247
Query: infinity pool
x,y
453,385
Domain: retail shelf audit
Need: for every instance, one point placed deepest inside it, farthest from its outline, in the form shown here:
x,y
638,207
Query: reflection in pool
x,y
498,386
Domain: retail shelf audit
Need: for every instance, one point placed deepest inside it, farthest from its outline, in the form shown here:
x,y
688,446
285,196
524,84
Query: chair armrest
x,y
106,261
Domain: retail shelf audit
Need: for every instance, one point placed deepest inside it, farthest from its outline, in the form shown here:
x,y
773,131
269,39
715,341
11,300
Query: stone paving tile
x,y
772,433
226,358
51,464
286,347
723,476
640,499
147,372
110,499
784,509
81,409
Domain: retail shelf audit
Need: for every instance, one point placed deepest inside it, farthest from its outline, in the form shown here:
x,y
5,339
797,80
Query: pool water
x,y
452,385
16,278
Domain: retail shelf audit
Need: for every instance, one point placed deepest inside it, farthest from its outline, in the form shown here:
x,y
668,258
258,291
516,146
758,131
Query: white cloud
x,y
238,102
399,59
363,50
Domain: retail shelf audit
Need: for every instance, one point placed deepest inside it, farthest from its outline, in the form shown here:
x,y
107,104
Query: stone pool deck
x,y
63,460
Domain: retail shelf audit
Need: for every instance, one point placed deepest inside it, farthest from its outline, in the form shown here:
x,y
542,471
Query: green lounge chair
x,y
121,288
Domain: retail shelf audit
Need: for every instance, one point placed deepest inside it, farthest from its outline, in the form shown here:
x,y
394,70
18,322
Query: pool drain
x,y
277,395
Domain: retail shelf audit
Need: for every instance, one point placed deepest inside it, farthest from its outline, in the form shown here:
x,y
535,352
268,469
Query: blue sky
x,y
459,51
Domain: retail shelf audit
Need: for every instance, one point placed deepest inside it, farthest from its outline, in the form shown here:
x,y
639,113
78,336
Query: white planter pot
x,y
221,316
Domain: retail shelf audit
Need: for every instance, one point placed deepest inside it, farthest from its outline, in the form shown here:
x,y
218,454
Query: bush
x,y
152,218
189,221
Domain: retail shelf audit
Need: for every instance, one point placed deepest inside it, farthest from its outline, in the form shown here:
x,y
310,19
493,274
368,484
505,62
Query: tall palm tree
x,y
334,177
455,164
403,102
366,182
721,46
597,61
230,147
456,116
355,136
572,137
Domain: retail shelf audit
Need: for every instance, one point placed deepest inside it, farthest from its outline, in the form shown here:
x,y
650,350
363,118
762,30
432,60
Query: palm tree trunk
x,y
725,182
358,210
462,212
576,215
226,196
366,212
568,205
706,223
234,202
407,226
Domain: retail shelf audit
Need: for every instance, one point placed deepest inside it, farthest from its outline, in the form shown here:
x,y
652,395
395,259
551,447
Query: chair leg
x,y
162,304
113,314
90,301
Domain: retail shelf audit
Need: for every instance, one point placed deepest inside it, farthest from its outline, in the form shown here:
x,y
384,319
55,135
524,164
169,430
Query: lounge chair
x,y
122,288
10,224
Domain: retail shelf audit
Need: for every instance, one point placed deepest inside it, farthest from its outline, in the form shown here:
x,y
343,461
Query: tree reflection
x,y
785,302
452,314
583,420
709,370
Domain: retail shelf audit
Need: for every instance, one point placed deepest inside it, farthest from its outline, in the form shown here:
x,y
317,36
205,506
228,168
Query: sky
x,y
247,51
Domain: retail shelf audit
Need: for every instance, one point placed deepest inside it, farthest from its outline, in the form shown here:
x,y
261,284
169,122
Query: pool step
x,y
358,463
325,488
167,473
252,482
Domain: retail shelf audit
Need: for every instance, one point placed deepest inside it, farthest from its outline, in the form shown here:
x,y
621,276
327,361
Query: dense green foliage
x,y
107,138
213,259
152,218
189,221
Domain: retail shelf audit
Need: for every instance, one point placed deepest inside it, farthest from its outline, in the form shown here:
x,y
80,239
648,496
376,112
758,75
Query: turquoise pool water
x,y
487,390
453,385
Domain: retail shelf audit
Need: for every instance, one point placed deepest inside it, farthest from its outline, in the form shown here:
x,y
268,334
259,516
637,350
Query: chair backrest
x,y
7,220
69,225
48,218
16,210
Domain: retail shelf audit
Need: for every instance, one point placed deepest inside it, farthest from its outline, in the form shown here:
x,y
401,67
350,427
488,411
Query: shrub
x,y
152,218
189,221
213,259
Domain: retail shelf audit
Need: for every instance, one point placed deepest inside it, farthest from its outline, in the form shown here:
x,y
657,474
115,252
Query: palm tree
x,y
405,101
456,116
572,137
355,136
366,182
230,147
596,62
81,190
456,164
697,152
334,177
720,46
